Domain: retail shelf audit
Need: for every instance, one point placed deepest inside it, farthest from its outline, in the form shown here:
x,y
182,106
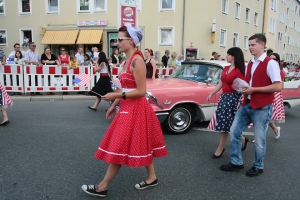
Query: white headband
x,y
135,33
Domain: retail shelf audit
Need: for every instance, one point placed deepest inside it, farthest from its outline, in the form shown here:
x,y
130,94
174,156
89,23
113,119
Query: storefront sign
x,y
128,3
91,23
128,15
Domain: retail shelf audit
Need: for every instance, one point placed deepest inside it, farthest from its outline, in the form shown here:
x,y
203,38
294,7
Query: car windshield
x,y
199,73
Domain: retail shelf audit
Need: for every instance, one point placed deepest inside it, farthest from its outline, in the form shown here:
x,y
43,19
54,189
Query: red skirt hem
x,y
130,160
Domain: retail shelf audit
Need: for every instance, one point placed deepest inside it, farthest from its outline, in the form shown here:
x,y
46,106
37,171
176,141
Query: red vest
x,y
260,79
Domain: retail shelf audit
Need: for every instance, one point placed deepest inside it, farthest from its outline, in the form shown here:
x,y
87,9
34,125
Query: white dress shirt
x,y
80,57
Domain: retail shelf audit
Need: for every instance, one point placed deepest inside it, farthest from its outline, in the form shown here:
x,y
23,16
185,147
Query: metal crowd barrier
x,y
53,78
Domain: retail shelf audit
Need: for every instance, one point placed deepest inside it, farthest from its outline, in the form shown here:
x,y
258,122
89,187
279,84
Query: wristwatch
x,y
123,95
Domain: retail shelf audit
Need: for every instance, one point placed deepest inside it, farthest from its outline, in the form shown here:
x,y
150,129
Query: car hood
x,y
172,83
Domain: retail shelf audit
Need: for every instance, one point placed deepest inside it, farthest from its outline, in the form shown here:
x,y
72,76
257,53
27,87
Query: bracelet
x,y
123,95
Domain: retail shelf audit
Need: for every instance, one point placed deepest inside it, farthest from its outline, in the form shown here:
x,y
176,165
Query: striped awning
x,y
60,37
89,37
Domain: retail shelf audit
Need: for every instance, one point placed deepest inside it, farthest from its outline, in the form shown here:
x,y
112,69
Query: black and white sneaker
x,y
91,189
143,185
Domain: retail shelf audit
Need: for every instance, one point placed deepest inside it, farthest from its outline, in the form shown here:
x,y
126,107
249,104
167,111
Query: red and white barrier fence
x,y
11,77
53,78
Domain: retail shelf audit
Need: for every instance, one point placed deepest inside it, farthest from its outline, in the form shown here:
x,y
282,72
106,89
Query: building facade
x,y
283,29
181,26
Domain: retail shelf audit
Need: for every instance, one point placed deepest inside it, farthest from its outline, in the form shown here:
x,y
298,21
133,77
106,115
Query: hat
x,y
135,33
189,55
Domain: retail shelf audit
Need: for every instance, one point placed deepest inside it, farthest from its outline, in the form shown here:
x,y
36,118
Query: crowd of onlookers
x,y
89,57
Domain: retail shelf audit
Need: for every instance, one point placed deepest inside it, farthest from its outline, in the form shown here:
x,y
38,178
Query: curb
x,y
52,98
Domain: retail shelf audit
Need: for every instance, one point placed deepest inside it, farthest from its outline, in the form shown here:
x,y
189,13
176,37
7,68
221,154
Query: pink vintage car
x,y
180,100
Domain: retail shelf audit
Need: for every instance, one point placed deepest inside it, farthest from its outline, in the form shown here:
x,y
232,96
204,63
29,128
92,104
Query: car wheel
x,y
179,121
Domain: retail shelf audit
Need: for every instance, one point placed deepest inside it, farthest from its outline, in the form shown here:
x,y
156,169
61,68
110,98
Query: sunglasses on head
x,y
125,38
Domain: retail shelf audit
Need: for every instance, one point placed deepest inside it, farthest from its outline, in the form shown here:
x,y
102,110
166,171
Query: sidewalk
x,y
58,97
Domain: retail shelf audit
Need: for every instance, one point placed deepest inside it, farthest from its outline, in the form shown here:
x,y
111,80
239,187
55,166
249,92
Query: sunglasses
x,y
125,38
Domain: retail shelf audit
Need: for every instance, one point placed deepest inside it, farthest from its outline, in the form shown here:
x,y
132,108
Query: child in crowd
x,y
73,63
19,57
109,60
87,60
25,42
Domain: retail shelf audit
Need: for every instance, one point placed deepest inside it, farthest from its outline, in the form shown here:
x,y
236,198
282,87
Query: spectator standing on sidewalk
x,y
214,56
150,64
64,60
19,57
189,57
48,58
2,57
32,57
172,61
165,58
87,60
80,56
88,52
263,77
179,60
115,58
16,48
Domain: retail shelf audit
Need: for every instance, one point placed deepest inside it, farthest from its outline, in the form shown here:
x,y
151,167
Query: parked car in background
x,y
180,100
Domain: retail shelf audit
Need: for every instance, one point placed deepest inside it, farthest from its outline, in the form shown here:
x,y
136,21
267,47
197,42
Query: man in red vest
x,y
263,76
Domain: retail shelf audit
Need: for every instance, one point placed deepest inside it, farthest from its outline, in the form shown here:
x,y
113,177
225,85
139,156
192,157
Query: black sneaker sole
x,y
152,185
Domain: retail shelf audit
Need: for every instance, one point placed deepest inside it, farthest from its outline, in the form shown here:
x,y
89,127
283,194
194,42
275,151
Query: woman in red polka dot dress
x,y
134,136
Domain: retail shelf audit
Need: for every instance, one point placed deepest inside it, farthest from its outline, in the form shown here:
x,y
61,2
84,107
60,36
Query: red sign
x,y
128,15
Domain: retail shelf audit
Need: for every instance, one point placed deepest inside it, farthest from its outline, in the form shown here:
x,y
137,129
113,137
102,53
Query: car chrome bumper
x,y
162,116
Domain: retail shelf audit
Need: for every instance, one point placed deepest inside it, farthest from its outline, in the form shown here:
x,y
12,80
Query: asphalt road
x,y
47,153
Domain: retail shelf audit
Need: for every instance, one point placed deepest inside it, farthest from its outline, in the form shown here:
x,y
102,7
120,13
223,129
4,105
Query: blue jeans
x,y
260,118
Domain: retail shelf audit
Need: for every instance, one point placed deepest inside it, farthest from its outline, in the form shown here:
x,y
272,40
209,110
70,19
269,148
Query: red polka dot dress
x,y
134,136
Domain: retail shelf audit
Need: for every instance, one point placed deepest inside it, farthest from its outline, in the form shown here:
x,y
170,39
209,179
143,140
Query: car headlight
x,y
148,96
114,87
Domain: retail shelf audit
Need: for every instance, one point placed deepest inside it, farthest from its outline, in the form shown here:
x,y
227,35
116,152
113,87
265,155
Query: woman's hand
x,y
111,96
110,112
209,97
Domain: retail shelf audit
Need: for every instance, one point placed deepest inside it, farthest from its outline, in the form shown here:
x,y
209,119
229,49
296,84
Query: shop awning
x,y
89,37
60,37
